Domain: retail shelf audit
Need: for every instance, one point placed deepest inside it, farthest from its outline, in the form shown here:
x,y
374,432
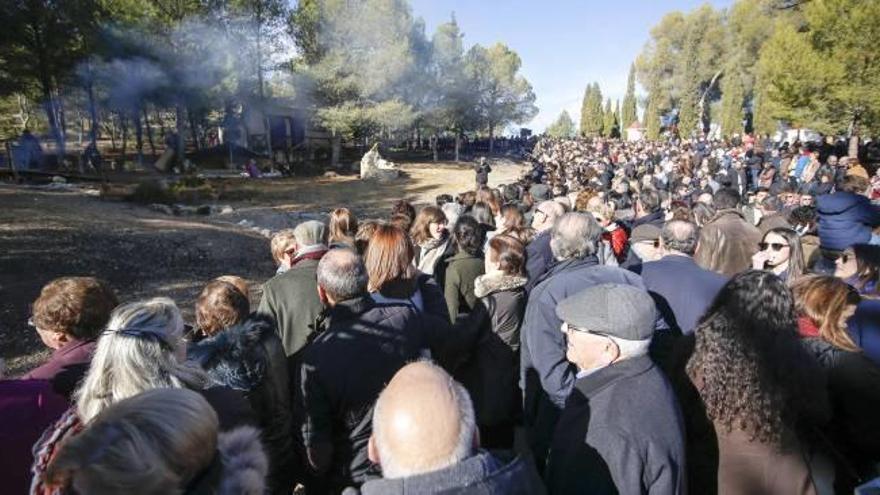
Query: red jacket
x,y
617,237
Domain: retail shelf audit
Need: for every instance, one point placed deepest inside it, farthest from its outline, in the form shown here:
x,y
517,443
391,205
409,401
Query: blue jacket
x,y
845,219
539,257
682,290
864,328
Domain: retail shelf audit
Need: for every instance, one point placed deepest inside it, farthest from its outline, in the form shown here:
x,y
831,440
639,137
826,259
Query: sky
x,y
563,44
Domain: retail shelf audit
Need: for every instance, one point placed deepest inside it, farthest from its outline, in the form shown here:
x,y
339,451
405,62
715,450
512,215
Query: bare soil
x,y
143,253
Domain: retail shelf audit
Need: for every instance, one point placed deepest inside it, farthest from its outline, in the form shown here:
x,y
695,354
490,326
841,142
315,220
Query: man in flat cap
x,y
621,430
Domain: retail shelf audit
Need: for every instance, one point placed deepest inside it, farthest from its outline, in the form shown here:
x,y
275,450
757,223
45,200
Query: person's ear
x,y
613,351
372,451
322,295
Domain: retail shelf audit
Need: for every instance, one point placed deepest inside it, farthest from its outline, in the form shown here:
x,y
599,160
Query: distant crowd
x,y
637,318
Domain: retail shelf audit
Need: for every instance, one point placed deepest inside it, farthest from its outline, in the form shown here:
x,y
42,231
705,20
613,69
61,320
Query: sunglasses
x,y
774,245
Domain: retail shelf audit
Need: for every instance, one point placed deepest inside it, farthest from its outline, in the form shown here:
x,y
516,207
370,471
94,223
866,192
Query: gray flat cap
x,y
619,310
645,232
309,233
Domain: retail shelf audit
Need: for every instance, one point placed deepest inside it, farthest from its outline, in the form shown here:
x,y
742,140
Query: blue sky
x,y
563,44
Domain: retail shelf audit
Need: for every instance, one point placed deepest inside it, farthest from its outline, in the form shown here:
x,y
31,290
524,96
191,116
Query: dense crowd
x,y
663,318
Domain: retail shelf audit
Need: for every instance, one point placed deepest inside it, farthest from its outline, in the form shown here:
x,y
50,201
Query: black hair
x,y
468,235
726,198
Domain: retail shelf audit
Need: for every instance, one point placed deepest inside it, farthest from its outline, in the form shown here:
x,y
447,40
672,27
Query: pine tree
x,y
630,113
620,127
732,99
586,108
563,127
652,117
610,121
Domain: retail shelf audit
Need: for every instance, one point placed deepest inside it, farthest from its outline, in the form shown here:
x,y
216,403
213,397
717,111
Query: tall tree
x,y
609,124
504,95
586,109
592,117
630,113
562,127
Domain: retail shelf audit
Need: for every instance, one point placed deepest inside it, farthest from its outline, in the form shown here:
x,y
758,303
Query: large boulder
x,y
373,166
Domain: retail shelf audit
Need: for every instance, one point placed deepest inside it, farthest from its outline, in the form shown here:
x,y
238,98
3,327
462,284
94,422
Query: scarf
x,y
430,252
807,328
315,252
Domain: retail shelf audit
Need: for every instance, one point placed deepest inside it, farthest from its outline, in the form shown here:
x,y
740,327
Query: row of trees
x,y
807,63
366,70
596,120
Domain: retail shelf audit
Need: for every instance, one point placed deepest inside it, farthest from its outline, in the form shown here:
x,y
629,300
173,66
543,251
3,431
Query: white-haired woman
x,y
141,349
158,442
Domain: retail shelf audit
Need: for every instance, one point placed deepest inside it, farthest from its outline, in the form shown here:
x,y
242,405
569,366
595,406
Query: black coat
x,y
621,432
854,394
491,368
359,347
249,357
682,290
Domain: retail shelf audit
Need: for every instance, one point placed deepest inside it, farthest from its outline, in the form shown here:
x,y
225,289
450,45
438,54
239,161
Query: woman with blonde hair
x,y
431,238
141,349
158,442
343,226
824,305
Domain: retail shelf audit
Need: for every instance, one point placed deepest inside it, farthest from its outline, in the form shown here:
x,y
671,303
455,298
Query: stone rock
x,y
374,166
57,179
162,208
330,175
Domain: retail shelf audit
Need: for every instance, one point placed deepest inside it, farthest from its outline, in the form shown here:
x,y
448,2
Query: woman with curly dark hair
x,y
465,266
756,390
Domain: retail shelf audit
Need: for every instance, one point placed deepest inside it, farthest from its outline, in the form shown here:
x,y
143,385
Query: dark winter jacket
x,y
462,270
546,376
854,394
482,173
621,432
66,367
845,219
291,300
539,258
682,290
491,369
249,357
358,349
484,473
864,328
657,219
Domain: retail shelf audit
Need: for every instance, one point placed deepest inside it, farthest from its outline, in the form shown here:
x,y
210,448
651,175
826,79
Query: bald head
x,y
422,422
679,236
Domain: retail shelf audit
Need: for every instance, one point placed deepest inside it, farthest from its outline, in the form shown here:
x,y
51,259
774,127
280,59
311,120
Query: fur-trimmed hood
x,y
234,357
497,282
240,467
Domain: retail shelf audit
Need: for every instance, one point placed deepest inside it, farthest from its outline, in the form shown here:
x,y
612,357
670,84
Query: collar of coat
x,y
594,383
497,282
727,211
569,264
344,310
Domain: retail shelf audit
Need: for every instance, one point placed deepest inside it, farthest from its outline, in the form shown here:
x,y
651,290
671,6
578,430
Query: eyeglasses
x,y
775,245
845,257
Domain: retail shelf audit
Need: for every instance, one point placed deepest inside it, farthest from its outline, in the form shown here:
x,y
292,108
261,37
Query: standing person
x,y
859,266
648,209
464,266
245,353
750,391
780,252
431,238
546,377
291,298
342,227
682,289
425,441
621,430
482,170
491,369
539,256
846,217
824,305
360,345
727,241
394,279
69,315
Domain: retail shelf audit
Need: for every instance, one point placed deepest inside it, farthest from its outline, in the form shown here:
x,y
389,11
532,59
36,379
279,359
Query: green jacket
x,y
461,271
291,299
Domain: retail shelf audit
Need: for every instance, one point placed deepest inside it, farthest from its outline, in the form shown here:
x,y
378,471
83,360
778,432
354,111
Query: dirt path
x,y
144,253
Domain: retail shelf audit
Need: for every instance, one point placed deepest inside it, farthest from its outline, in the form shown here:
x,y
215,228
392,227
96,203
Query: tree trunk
x,y
181,140
491,138
434,140
193,128
149,133
854,131
336,150
457,145
139,137
123,122
93,113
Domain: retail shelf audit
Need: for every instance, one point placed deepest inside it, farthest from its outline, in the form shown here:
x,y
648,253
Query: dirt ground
x,y
143,253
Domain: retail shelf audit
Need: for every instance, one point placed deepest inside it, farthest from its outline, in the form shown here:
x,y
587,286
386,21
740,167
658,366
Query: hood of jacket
x,y
234,356
481,473
497,282
839,202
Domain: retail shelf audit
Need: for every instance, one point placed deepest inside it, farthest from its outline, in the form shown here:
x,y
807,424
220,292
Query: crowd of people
x,y
656,318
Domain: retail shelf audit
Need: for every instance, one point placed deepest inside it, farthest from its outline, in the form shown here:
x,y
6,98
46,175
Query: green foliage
x,y
503,95
652,116
592,117
733,98
610,126
630,112
562,127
